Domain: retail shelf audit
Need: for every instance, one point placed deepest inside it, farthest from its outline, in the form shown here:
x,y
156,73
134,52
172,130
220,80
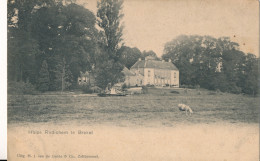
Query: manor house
x,y
153,72
144,72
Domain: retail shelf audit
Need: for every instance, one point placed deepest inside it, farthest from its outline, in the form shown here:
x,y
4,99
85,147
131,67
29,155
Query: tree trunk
x,y
63,76
21,73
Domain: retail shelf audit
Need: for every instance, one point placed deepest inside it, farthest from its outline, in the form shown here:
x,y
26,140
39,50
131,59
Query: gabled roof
x,y
86,74
154,64
127,72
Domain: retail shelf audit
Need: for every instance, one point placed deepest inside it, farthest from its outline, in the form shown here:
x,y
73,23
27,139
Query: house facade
x,y
155,72
131,78
86,78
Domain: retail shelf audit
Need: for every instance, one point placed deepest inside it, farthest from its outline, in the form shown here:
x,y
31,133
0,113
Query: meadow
x,y
147,127
158,107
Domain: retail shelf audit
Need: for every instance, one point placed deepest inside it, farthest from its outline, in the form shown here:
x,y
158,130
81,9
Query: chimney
x,y
139,59
169,60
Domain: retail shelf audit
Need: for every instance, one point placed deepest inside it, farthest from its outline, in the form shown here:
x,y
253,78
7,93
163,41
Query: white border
x,y
3,80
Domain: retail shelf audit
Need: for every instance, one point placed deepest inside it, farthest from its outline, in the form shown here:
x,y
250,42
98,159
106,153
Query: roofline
x,y
153,68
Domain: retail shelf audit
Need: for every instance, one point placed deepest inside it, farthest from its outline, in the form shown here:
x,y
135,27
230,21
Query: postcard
x,y
130,80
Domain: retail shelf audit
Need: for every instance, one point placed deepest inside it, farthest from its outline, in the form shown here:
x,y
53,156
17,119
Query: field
x,y
137,127
157,108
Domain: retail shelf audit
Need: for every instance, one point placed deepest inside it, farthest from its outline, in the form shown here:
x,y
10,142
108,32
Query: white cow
x,y
186,108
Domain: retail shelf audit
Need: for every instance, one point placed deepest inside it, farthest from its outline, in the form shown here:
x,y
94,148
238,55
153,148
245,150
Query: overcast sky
x,y
149,24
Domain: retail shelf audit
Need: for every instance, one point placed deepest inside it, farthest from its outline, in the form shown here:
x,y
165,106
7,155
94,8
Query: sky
x,y
149,24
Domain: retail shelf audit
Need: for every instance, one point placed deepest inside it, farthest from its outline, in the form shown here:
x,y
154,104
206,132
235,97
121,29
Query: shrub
x,y
124,86
149,85
197,86
236,90
21,88
144,89
86,89
183,86
232,88
96,89
175,92
212,93
186,86
191,86
218,91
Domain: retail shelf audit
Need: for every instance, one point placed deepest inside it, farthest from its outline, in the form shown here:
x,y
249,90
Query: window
x,y
149,73
174,74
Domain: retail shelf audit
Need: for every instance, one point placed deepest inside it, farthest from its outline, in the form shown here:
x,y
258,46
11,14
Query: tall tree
x,y
44,78
22,48
63,77
109,17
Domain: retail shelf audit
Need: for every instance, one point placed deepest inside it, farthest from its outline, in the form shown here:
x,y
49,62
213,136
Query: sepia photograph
x,y
129,80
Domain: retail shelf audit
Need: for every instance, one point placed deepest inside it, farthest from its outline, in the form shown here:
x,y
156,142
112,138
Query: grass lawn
x,y
156,108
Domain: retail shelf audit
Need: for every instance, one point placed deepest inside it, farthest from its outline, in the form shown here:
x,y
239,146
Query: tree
x,y
44,78
66,31
49,30
149,53
213,63
186,52
108,74
109,17
108,69
63,78
129,56
250,75
22,50
22,47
